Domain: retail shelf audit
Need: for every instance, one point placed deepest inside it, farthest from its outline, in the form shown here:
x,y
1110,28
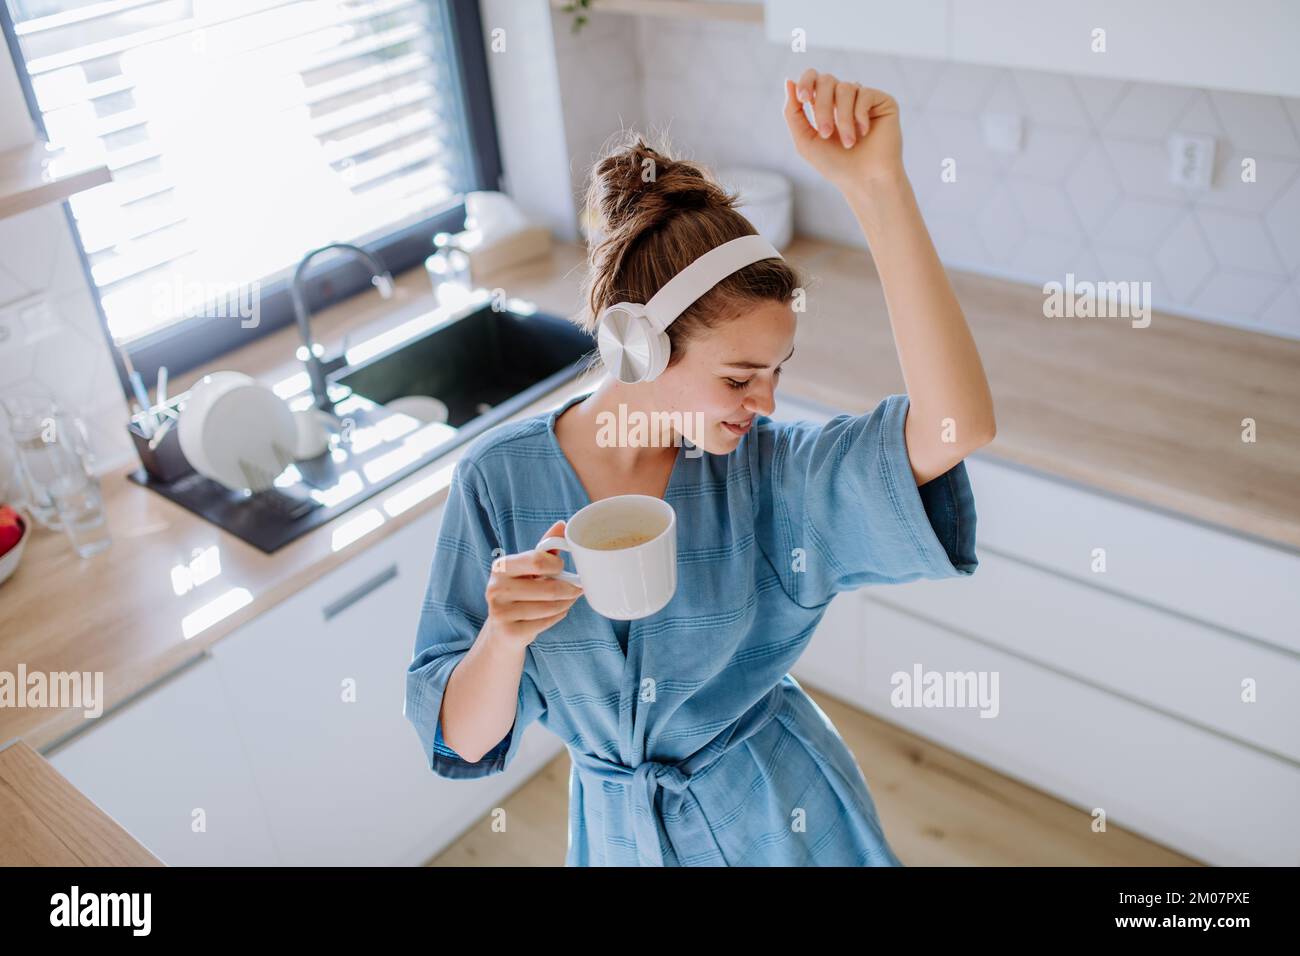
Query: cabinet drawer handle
x,y
360,591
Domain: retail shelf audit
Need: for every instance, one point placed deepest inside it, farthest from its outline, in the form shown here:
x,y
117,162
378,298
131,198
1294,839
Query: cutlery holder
x,y
166,462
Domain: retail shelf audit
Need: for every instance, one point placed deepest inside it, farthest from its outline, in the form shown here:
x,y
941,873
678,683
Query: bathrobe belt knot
x,y
643,782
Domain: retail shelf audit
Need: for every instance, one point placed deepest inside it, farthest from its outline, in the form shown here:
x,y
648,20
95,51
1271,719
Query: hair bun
x,y
635,187
647,217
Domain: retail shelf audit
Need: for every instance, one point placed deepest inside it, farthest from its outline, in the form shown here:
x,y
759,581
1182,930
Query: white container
x,y
766,200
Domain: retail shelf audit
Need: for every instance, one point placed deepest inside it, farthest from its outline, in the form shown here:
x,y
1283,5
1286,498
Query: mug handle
x,y
559,544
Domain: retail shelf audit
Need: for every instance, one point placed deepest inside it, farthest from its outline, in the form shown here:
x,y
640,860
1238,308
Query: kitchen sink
x,y
476,365
484,363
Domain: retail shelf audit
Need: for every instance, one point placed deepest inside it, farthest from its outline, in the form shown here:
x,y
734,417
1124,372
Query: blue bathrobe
x,y
690,743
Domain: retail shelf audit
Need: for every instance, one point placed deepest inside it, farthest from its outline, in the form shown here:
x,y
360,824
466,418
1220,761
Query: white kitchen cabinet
x,y
915,28
1194,791
165,762
1180,658
1164,661
1242,586
1247,46
345,782
1119,689
835,658
290,736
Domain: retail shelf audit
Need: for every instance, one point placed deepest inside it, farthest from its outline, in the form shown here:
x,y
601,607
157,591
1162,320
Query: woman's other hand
x,y
522,601
857,141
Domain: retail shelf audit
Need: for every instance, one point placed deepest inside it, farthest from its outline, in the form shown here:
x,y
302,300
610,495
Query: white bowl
x,y
313,438
424,408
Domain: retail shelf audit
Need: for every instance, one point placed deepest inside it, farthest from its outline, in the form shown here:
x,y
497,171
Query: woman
x,y
690,742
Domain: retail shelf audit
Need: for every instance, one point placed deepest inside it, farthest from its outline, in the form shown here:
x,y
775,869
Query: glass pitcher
x,y
51,450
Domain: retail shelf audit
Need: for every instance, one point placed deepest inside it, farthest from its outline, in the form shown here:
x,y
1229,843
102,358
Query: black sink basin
x,y
484,364
477,366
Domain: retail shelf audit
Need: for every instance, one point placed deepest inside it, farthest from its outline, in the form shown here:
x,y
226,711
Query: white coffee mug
x,y
625,550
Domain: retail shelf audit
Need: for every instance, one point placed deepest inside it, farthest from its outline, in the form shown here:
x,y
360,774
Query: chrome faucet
x,y
380,277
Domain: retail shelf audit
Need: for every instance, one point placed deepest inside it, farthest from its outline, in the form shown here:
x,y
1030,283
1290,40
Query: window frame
x,y
191,342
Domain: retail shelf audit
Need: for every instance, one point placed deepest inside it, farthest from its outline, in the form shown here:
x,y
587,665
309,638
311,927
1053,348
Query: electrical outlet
x,y
1002,132
1191,160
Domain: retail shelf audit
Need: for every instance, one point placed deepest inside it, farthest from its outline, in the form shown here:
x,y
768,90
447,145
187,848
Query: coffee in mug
x,y
625,552
621,541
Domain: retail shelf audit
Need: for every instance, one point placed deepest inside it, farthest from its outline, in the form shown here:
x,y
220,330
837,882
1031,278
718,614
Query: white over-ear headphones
x,y
633,339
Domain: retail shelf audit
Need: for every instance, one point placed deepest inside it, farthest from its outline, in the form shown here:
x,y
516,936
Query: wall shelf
x,y
35,175
740,12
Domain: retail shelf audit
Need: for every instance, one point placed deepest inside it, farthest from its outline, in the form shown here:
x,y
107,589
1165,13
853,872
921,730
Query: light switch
x,y
1191,160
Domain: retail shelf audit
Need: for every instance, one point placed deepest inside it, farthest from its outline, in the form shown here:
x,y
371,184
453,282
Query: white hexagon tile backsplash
x,y
1087,192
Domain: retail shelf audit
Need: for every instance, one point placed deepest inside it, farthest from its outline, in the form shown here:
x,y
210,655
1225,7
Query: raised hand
x,y
857,140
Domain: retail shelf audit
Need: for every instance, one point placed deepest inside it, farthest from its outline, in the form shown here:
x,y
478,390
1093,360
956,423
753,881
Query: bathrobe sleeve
x,y
838,507
451,616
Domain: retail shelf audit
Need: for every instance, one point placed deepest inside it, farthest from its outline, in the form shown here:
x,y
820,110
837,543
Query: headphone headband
x,y
702,275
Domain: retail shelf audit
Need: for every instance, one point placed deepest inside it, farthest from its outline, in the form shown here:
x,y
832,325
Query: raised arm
x,y
858,147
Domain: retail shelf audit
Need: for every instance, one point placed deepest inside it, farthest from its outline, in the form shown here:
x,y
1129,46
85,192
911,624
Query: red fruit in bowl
x,y
11,528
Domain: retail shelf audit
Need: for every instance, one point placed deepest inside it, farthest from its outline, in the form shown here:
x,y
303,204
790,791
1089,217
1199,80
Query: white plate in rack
x,y
238,432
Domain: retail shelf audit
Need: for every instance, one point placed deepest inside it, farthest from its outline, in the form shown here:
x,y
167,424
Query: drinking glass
x,y
80,506
54,469
33,423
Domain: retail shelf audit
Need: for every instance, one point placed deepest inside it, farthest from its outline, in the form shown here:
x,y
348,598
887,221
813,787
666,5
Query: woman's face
x,y
714,379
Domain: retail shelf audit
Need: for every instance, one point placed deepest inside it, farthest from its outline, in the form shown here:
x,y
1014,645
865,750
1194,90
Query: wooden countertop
x,y
1153,414
46,821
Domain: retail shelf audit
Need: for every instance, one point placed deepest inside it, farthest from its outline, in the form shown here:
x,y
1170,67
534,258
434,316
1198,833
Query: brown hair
x,y
649,217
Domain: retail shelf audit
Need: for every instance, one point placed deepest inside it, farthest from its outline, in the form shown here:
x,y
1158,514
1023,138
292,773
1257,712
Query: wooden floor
x,y
938,809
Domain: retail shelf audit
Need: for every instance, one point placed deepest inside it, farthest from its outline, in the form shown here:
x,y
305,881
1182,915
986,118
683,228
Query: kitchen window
x,y
241,134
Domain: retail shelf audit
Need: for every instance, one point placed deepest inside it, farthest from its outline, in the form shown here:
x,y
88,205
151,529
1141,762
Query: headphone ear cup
x,y
610,350
660,350
631,349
